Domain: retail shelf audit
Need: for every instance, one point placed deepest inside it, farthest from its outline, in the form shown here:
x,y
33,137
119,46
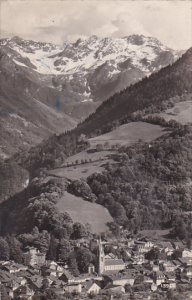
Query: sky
x,y
65,21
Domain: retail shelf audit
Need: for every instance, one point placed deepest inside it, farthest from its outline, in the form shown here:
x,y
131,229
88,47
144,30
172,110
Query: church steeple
x,y
101,258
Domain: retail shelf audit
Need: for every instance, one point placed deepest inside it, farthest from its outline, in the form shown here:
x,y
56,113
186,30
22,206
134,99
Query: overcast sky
x,y
60,21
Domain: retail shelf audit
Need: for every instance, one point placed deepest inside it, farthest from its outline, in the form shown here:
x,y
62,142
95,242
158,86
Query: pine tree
x,y
73,266
4,249
16,253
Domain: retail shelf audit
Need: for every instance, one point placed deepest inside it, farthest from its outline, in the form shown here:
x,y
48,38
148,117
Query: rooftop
x,y
119,275
110,262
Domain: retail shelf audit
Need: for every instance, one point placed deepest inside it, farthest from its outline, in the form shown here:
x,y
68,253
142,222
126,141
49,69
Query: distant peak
x,y
140,39
16,39
93,37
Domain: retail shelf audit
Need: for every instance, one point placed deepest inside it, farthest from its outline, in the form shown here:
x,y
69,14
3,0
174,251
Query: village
x,y
144,266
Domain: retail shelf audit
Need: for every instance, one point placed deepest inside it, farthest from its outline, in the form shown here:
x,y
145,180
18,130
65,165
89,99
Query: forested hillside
x,y
152,185
148,187
13,179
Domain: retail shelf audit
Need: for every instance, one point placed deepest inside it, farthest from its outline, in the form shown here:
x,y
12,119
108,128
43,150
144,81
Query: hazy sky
x,y
60,21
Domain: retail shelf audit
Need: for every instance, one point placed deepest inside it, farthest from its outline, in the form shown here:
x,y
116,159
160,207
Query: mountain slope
x,y
27,115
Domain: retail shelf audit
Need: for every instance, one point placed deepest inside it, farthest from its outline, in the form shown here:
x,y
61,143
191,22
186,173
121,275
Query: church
x,y
108,263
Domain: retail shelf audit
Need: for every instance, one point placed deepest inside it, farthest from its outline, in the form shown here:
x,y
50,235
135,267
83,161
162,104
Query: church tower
x,y
101,259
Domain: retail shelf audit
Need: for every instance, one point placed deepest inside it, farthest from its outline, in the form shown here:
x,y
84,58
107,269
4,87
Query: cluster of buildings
x,y
111,273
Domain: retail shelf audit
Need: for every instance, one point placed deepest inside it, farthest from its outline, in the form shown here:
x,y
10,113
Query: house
x,y
153,287
121,278
185,261
127,254
170,276
91,287
130,243
23,292
83,242
147,279
55,282
168,266
115,288
138,258
188,272
5,277
178,245
59,291
186,253
167,247
159,277
13,268
67,277
34,257
152,266
91,269
110,256
73,287
52,269
143,246
35,282
12,285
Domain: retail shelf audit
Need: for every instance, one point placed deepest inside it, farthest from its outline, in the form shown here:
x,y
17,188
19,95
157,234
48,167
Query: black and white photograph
x,y
96,149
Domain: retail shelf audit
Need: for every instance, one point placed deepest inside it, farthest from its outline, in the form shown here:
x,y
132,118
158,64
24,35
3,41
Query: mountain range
x,y
46,88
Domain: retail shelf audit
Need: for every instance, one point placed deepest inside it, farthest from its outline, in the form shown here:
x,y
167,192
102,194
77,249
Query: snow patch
x,y
87,100
26,183
19,63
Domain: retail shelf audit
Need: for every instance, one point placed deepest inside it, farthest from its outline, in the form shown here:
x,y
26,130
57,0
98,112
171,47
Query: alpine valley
x,y
95,175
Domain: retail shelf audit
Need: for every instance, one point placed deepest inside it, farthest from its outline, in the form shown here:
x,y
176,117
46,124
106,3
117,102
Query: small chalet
x,y
91,287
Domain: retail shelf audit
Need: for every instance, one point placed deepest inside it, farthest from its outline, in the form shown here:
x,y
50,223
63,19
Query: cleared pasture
x,y
129,134
181,112
79,171
94,214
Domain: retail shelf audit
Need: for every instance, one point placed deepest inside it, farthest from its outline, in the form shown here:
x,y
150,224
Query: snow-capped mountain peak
x,y
90,53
